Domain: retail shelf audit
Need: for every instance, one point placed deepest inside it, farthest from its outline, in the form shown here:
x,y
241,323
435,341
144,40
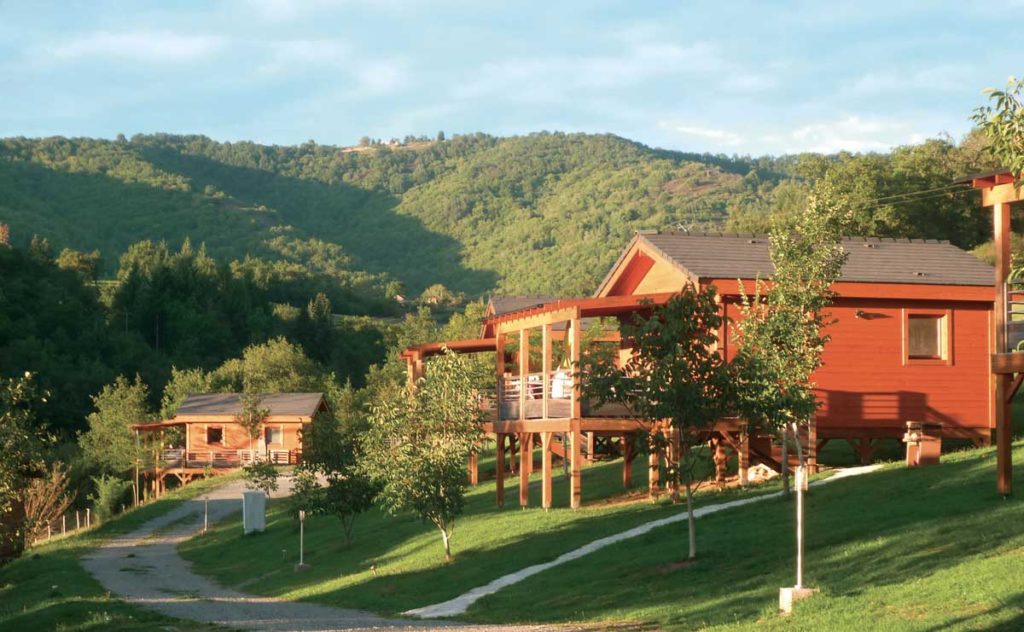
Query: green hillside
x,y
544,213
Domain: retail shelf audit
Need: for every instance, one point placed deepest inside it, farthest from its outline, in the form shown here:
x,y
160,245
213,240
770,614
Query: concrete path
x,y
144,568
460,604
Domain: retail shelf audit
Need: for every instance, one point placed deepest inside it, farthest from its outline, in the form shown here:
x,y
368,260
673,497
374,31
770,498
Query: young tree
x,y
22,443
1003,123
418,441
110,445
675,374
252,416
46,499
333,451
782,333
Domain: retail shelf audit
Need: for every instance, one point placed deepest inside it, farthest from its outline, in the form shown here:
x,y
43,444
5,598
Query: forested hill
x,y
544,213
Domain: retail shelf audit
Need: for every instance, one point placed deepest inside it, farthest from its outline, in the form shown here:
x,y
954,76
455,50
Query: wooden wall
x,y
236,438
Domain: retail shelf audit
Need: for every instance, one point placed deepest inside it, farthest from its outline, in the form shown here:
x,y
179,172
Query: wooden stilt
x,y
545,466
524,471
591,446
653,473
1004,436
474,468
627,461
1003,410
576,462
744,458
812,446
499,470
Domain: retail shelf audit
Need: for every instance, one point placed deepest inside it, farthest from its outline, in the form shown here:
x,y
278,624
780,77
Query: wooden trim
x,y
946,351
902,291
545,343
574,358
529,321
1008,362
524,371
1004,192
1014,387
499,470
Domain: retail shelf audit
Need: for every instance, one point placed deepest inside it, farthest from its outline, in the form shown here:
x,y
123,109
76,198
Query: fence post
x,y
78,522
63,527
47,530
88,517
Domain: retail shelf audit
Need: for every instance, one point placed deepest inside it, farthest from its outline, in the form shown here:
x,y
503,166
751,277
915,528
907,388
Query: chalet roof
x,y
504,304
278,404
871,259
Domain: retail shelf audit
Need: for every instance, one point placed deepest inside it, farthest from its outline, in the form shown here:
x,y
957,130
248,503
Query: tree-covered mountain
x,y
544,213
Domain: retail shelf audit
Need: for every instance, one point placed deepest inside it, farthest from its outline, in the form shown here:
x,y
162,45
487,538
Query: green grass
x,y
408,555
926,549
47,588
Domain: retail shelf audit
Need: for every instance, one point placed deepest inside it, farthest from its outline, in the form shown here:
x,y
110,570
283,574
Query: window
x,y
274,436
926,337
215,435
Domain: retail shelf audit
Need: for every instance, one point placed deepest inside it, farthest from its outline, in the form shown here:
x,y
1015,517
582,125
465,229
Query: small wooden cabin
x,y
208,435
910,342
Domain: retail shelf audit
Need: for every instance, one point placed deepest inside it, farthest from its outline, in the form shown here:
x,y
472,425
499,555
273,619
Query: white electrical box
x,y
254,511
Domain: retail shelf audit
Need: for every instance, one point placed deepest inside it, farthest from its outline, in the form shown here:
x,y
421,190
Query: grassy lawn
x,y
408,555
900,549
47,589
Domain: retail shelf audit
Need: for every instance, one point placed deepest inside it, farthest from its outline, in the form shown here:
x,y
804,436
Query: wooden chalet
x,y
204,434
909,315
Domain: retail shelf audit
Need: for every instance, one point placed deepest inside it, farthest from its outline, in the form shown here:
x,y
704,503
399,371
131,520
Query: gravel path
x,y
143,568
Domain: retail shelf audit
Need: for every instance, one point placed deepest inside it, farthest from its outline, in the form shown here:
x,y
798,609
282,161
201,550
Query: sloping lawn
x,y
408,556
927,549
47,589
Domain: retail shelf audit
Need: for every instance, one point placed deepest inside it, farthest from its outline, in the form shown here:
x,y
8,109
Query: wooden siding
x,y
866,382
236,438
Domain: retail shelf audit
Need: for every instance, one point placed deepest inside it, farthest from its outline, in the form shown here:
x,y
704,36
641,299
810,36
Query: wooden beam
x,y
1004,419
1014,387
1004,193
1009,363
545,466
500,369
1004,437
627,460
530,425
536,320
499,470
474,468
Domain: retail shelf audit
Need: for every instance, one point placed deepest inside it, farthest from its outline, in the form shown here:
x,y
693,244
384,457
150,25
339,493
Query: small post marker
x,y
63,525
78,522
790,595
88,517
301,566
206,514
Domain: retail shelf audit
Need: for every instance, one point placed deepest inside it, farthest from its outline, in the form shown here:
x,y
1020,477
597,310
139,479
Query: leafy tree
x,y
85,264
332,449
261,475
253,415
1002,121
418,442
109,445
22,443
440,136
110,495
781,334
675,374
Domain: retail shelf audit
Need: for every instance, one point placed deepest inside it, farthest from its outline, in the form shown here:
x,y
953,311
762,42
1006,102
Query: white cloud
x,y
296,55
944,78
152,46
851,133
381,76
717,136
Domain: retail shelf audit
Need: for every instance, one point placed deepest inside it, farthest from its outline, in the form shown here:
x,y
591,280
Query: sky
x,y
726,77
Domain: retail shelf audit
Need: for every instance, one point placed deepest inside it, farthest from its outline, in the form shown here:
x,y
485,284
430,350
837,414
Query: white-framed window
x,y
274,435
927,337
215,434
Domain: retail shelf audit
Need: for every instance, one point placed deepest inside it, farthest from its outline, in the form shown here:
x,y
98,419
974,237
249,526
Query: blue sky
x,y
732,77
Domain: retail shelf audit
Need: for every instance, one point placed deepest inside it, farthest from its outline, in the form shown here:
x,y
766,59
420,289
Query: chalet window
x,y
215,435
926,337
274,436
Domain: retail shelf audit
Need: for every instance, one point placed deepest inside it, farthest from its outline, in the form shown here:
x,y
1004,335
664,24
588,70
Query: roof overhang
x,y
997,187
474,345
577,308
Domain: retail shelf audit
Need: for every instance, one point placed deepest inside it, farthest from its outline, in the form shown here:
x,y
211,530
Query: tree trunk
x,y
691,521
346,525
785,461
447,545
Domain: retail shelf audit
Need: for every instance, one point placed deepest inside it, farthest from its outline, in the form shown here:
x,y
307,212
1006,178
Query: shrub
x,y
111,494
46,498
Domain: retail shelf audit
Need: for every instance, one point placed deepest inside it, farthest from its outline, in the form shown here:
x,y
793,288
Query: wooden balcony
x,y
221,459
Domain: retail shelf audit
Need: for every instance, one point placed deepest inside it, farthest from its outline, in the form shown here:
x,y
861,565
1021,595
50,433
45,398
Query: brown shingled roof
x,y
279,404
871,259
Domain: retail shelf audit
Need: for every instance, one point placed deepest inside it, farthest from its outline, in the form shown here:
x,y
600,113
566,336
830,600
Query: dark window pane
x,y
925,337
214,435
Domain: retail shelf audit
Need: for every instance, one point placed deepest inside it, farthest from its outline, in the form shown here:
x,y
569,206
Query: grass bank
x,y
47,588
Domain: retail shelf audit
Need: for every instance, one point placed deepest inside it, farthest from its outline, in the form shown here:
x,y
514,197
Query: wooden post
x,y
545,466
524,372
1004,410
545,370
499,470
524,471
574,358
575,464
63,524
627,461
812,446
499,345
591,446
474,468
653,475
78,521
88,517
744,458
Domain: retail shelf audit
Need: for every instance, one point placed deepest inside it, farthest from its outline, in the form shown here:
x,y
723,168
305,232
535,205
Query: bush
x,y
46,498
111,494
260,475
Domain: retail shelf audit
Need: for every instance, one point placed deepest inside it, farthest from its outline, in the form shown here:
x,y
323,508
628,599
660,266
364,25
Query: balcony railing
x,y
226,458
559,402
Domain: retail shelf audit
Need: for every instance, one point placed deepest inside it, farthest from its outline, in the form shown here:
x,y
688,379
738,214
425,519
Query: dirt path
x,y
143,568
